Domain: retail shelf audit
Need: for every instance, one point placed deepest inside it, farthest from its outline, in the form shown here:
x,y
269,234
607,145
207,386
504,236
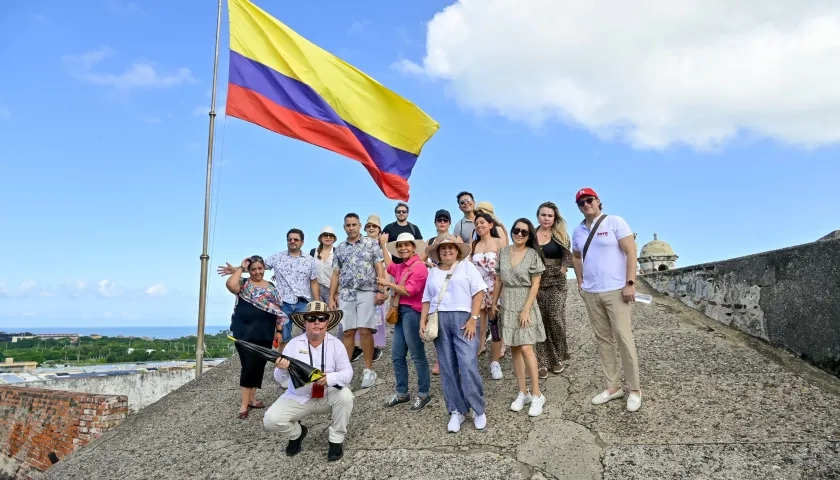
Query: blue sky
x,y
103,131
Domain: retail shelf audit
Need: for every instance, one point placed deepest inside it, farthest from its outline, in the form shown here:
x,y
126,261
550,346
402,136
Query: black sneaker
x,y
377,353
419,403
357,354
294,446
335,453
397,400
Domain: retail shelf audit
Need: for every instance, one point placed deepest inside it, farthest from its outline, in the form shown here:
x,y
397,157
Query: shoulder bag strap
x,y
446,282
592,234
395,300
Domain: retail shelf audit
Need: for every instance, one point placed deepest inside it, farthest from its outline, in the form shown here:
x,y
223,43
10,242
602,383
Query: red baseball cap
x,y
585,192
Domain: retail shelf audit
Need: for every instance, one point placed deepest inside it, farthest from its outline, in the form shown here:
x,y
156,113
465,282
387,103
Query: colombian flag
x,y
281,81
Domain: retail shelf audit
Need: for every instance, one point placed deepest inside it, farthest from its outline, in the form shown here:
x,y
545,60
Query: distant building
x,y
10,365
657,256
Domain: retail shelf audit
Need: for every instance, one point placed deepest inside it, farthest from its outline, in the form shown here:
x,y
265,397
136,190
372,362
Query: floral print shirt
x,y
292,275
356,264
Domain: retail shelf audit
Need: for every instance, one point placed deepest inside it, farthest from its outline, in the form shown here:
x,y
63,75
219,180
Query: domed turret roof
x,y
657,248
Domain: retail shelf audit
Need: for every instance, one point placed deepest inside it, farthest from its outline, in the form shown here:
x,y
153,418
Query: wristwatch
x,y
631,282
474,317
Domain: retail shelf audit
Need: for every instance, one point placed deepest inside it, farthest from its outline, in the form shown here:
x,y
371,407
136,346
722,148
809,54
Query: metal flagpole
x,y
205,258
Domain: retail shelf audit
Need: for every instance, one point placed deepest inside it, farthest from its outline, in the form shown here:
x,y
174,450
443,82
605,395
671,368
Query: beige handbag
x,y
432,324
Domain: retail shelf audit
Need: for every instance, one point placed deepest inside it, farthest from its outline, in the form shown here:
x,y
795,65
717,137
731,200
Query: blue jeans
x,y
407,339
289,309
462,386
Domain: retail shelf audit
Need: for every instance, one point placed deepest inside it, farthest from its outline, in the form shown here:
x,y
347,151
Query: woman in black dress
x,y
256,318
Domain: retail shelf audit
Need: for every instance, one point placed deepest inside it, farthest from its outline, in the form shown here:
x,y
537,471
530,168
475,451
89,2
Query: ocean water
x,y
167,332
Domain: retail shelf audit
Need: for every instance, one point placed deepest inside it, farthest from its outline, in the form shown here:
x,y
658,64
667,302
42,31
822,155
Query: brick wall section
x,y
35,422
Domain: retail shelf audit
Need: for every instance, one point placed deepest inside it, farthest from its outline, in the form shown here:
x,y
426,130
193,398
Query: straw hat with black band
x,y
448,238
317,308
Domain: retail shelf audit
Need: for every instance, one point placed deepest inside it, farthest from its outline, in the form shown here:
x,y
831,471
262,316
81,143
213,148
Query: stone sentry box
x,y
788,297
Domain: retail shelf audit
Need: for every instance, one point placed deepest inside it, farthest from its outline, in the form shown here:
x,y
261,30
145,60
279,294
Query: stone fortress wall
x,y
788,297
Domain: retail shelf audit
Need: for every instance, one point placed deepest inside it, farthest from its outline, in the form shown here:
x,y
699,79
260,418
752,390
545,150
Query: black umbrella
x,y
301,372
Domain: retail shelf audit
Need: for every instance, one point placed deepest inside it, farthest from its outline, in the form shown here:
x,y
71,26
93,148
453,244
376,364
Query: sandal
x,y
243,415
558,369
257,405
543,372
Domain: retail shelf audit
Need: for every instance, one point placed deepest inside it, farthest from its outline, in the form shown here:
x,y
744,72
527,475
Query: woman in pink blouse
x,y
409,282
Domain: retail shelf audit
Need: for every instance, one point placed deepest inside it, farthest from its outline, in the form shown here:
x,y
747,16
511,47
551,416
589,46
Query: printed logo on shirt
x,y
603,234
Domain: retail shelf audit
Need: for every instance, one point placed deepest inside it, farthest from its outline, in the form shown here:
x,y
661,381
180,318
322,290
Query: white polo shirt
x,y
605,265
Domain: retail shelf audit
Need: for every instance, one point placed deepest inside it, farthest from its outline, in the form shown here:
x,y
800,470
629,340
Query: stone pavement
x,y
717,404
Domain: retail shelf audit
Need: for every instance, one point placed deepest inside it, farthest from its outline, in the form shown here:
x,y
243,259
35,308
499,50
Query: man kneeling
x,y
331,393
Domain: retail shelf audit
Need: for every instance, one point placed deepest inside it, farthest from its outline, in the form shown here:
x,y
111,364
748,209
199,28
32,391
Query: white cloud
x,y
156,290
124,8
358,27
27,286
107,288
653,73
141,74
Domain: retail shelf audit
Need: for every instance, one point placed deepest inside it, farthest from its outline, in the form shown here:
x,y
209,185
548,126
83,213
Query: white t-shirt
x,y
466,281
605,265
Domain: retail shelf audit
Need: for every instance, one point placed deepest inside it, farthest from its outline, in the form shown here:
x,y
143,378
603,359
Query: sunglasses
x,y
316,317
370,225
328,235
256,258
401,212
464,202
289,240
519,232
585,201
442,220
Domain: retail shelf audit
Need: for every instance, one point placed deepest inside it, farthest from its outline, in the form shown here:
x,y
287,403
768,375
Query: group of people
x,y
459,290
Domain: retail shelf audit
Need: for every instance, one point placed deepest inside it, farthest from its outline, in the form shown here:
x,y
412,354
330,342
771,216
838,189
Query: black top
x,y
395,229
552,249
251,324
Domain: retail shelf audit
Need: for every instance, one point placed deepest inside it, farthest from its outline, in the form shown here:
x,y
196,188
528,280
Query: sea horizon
x,y
151,331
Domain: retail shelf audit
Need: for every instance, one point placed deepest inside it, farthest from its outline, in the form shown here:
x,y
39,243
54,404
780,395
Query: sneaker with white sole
x,y
455,422
496,371
634,402
480,421
521,400
368,378
536,406
605,397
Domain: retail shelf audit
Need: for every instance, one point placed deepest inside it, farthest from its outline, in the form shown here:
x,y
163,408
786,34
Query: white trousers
x,y
285,414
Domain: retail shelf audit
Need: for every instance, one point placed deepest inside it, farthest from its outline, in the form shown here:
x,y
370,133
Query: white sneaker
x,y
536,406
496,371
368,378
634,402
605,397
455,422
521,400
480,421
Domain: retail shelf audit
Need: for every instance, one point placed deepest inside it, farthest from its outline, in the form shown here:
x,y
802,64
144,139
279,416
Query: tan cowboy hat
x,y
317,308
374,219
419,245
485,207
432,250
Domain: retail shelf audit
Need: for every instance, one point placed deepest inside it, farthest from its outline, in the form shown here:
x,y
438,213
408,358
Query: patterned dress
x,y
516,283
485,262
552,301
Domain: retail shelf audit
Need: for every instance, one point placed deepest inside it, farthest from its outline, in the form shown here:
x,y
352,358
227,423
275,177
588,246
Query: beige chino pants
x,y
609,316
284,415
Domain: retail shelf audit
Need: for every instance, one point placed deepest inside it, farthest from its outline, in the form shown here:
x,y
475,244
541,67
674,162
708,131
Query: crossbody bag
x,y
432,323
